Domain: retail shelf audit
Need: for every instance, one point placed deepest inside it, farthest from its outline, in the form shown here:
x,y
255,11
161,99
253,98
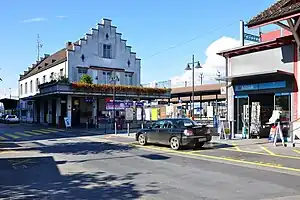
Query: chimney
x,y
68,44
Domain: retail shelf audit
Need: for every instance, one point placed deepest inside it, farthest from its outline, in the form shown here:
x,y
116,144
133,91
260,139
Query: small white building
x,y
98,54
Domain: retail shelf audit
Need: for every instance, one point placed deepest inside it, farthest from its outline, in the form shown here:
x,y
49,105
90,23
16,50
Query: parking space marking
x,y
12,135
23,134
268,151
236,147
296,151
198,155
266,154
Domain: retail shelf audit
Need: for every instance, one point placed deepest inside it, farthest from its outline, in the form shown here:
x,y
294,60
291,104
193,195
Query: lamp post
x,y
10,93
114,78
218,76
198,66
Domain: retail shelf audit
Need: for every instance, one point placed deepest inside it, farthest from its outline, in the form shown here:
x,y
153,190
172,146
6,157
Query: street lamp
x,y
10,93
198,66
114,78
218,76
201,78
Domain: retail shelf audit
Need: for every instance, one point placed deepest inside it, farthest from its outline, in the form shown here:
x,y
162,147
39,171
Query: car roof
x,y
173,119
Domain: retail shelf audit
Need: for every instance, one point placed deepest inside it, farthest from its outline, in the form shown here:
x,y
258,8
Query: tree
x,y
86,79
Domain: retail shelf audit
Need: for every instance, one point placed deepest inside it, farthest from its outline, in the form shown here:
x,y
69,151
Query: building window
x,y
61,72
44,79
31,87
128,78
106,77
82,71
37,83
21,89
107,51
51,76
25,88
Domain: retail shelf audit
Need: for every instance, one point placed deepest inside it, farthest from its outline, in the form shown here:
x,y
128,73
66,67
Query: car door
x,y
153,133
165,133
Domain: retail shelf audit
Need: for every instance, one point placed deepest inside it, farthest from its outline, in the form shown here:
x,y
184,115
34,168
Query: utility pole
x,y
201,78
39,46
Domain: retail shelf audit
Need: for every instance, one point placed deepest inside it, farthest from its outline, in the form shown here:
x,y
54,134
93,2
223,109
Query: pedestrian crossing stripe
x,y
49,131
54,129
40,131
12,135
30,132
23,134
3,138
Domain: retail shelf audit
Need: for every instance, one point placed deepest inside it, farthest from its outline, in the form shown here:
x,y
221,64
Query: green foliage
x,y
86,79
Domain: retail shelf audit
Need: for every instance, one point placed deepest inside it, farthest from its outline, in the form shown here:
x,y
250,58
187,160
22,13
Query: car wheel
x,y
142,139
174,143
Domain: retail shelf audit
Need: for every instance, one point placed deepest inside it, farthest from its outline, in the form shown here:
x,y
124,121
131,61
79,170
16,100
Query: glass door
x,y
242,114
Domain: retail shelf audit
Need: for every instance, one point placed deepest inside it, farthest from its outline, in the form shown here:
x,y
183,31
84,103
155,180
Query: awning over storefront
x,y
265,81
269,75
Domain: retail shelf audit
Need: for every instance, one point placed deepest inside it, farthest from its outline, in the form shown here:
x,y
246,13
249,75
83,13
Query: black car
x,y
176,132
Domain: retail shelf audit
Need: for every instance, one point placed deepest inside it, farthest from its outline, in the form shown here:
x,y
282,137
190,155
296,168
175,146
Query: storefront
x,y
261,79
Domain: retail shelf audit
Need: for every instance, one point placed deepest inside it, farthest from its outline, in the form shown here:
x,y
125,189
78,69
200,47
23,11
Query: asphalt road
x,y
97,167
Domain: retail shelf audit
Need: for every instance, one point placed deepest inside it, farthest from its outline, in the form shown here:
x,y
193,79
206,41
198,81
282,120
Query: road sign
x,y
250,37
223,90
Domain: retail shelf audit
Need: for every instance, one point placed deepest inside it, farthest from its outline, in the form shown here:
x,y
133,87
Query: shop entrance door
x,y
242,114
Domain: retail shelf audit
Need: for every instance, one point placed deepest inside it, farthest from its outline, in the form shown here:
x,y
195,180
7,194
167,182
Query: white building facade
x,y
98,54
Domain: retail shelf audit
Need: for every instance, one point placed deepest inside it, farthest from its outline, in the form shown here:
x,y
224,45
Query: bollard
x,y
115,128
142,125
128,129
87,125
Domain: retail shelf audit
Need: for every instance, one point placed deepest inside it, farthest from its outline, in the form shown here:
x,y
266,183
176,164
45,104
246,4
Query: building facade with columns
x,y
50,89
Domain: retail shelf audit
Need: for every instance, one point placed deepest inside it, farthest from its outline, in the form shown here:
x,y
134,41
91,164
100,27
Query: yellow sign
x,y
154,114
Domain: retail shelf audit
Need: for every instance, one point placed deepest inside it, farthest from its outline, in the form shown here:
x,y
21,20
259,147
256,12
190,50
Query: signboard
x,y
139,114
67,122
128,114
119,105
260,86
252,38
223,90
139,104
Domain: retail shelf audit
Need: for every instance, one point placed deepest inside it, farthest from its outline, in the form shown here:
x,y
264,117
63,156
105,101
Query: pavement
x,y
85,165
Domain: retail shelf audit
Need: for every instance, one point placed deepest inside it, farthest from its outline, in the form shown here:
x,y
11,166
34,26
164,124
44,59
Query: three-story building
x,y
50,90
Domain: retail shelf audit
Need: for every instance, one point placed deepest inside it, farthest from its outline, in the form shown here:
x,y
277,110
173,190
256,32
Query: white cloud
x,y
36,19
61,16
211,66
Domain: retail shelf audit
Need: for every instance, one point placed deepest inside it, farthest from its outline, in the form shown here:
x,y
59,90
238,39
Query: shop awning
x,y
273,74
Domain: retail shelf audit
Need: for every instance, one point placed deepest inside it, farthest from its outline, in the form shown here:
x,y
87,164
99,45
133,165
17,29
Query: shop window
x,y
282,103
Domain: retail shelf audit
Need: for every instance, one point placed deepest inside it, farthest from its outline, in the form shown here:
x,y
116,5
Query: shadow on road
x,y
80,148
39,178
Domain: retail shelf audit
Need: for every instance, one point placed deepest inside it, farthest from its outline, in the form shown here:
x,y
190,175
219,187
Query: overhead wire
x,y
200,36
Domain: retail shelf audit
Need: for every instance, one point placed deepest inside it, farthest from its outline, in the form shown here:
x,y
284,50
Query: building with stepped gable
x,y
50,89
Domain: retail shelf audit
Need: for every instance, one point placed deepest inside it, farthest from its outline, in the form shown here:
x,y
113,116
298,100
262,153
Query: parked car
x,y
10,119
177,132
2,118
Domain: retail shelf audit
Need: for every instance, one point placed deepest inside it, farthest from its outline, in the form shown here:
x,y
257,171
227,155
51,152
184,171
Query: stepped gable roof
x,y
51,61
280,9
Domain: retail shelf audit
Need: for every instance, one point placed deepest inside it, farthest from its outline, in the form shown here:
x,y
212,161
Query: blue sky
x,y
150,27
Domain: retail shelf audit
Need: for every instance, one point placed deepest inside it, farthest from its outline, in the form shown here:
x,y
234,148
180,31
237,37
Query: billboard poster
x,y
139,114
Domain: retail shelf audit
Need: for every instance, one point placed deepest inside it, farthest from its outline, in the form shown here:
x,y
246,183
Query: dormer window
x,y
46,64
53,60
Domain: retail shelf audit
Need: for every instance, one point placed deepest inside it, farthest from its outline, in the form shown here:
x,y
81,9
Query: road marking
x,y
267,150
39,131
48,130
54,129
23,134
199,156
11,135
3,138
34,133
265,154
297,151
236,147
